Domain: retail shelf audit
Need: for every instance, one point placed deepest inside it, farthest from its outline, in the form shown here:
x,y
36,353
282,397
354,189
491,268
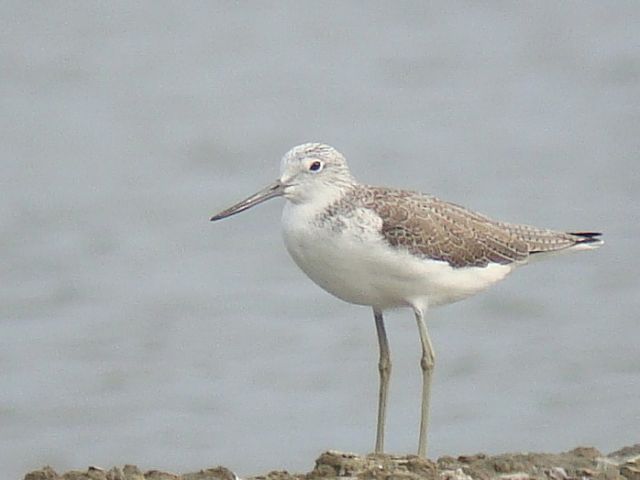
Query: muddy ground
x,y
582,463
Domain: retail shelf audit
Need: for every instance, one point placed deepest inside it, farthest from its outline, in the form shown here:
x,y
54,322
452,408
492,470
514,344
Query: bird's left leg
x,y
427,362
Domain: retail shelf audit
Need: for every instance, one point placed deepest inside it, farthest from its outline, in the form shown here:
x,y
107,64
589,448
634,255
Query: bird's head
x,y
311,171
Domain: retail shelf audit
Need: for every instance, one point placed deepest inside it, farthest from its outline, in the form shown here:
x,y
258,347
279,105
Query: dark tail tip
x,y
587,237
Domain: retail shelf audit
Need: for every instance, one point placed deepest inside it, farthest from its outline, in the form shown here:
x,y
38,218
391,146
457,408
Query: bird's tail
x,y
543,243
586,240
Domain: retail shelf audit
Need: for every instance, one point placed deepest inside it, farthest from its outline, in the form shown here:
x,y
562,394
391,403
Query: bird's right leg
x,y
384,367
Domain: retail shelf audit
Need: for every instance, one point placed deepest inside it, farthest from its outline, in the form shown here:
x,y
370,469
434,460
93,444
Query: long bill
x,y
276,189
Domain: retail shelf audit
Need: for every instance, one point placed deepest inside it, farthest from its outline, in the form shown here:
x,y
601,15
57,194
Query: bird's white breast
x,y
349,258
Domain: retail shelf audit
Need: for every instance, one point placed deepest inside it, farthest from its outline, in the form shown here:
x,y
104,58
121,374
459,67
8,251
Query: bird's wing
x,y
432,228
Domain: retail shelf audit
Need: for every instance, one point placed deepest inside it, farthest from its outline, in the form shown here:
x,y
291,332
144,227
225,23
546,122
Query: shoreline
x,y
581,463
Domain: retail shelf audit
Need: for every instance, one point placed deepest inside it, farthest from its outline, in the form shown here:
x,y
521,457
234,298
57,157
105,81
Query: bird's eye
x,y
315,166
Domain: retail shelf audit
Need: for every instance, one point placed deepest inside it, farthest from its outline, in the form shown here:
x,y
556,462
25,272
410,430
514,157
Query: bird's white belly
x,y
360,267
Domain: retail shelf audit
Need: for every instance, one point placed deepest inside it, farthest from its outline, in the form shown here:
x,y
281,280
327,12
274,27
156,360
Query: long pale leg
x,y
384,367
427,361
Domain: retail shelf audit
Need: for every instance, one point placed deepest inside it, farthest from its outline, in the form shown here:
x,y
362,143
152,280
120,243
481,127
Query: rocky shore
x,y
582,463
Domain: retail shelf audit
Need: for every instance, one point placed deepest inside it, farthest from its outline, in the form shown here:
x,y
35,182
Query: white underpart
x,y
358,266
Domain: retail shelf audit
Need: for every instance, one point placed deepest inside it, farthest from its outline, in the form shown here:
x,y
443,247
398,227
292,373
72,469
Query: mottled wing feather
x,y
439,230
429,227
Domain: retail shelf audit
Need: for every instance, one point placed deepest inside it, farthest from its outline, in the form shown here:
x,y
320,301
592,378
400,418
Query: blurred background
x,y
133,330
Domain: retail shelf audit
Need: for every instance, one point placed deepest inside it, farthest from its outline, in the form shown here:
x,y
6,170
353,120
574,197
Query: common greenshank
x,y
389,248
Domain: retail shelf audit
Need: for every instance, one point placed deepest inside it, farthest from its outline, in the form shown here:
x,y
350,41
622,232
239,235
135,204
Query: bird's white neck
x,y
312,202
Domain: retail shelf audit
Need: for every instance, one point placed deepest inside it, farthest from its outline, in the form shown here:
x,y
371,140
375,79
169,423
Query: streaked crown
x,y
317,151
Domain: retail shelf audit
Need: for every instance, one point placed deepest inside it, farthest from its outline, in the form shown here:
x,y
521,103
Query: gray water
x,y
133,330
